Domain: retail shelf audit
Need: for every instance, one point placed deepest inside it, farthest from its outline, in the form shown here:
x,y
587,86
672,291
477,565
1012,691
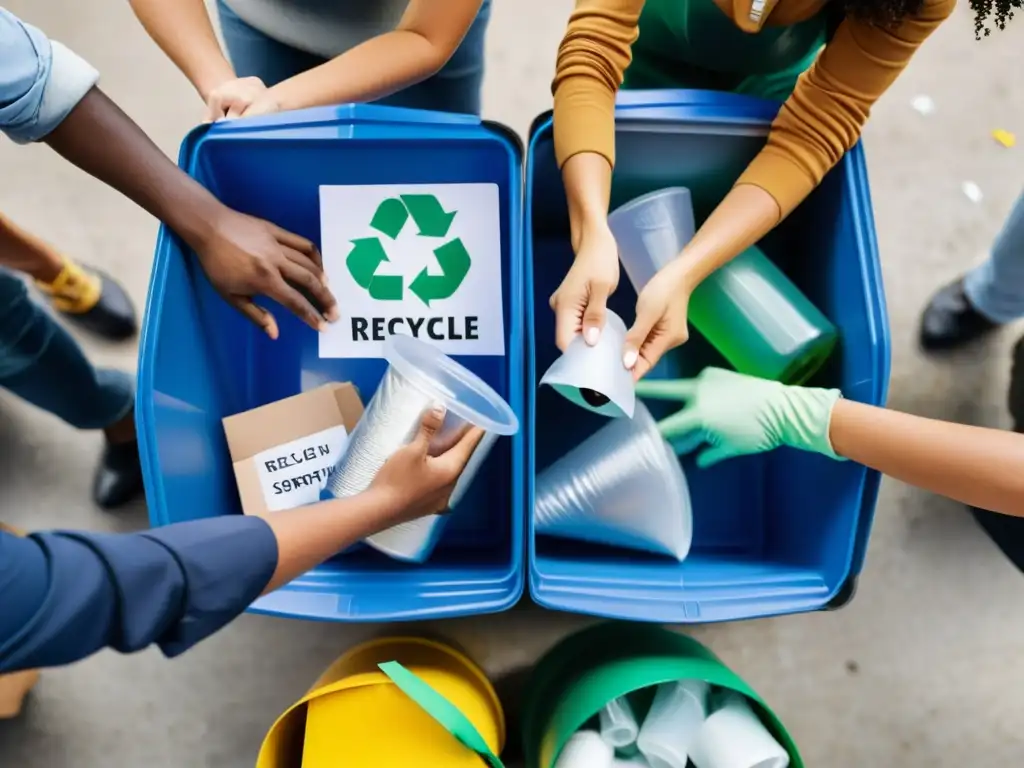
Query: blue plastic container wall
x,y
780,533
200,361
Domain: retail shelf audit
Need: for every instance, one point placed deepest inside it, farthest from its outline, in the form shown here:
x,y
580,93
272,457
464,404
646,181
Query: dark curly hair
x,y
1002,10
888,13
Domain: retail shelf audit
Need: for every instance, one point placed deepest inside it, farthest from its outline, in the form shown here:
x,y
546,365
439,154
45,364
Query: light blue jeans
x,y
42,364
996,288
456,88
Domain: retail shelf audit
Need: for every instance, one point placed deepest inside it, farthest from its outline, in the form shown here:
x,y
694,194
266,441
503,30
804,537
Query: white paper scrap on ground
x,y
972,191
293,474
923,104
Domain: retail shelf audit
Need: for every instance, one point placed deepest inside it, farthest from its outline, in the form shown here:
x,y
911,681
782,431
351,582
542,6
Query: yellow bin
x,y
355,716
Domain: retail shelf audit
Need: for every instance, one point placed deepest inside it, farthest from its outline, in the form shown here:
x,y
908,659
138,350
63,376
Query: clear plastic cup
x,y
593,377
622,486
618,723
419,376
585,749
747,309
651,231
673,723
734,737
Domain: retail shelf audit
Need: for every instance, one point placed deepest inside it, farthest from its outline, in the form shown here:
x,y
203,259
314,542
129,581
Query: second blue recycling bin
x,y
201,361
778,533
773,534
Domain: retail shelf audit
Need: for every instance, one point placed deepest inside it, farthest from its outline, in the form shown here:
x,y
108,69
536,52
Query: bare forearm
x,y
979,467
587,177
370,71
183,31
309,535
104,142
746,215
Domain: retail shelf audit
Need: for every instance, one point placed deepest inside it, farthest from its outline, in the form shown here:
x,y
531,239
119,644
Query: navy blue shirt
x,y
67,594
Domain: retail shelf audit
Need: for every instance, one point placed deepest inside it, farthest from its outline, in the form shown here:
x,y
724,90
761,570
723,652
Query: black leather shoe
x,y
113,317
950,321
1006,531
118,478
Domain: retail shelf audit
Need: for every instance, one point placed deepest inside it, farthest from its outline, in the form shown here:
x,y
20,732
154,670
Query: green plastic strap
x,y
443,711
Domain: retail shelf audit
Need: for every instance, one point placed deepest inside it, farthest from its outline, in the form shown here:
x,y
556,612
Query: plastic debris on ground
x,y
1005,138
972,192
923,104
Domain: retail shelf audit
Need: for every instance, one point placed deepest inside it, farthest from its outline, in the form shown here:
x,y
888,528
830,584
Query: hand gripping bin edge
x,y
766,542
200,360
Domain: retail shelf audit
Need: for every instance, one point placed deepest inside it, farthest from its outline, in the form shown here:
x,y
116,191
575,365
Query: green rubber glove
x,y
737,415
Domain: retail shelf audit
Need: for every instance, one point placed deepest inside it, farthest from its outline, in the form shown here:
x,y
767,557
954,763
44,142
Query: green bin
x,y
581,674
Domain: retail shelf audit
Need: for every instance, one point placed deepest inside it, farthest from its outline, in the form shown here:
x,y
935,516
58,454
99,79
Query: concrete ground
x,y
923,669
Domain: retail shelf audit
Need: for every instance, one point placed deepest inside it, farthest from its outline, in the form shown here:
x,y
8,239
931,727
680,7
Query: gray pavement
x,y
925,668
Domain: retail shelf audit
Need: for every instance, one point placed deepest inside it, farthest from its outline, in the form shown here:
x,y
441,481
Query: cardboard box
x,y
283,452
14,687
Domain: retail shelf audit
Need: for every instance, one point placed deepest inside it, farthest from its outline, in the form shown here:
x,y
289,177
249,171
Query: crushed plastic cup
x,y
651,231
734,737
622,486
419,377
585,749
673,722
594,377
618,723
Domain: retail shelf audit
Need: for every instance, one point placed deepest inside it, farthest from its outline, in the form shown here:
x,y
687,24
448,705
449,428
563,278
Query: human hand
x,y
660,323
265,104
245,257
412,483
233,97
738,415
581,299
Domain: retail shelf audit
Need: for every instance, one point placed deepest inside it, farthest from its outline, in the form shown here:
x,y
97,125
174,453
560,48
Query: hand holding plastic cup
x,y
594,377
419,377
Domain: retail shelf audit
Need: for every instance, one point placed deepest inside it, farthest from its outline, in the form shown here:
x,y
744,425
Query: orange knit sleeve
x,y
823,117
592,58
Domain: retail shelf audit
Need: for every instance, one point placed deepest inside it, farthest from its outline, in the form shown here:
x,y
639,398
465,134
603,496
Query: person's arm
x,y
736,415
980,467
182,30
592,58
47,93
820,121
65,595
427,35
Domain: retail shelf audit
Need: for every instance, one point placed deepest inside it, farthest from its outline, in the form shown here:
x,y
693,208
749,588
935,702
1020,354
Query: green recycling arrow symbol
x,y
431,220
454,260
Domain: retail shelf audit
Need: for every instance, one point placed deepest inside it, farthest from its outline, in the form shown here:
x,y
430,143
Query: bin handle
x,y
443,711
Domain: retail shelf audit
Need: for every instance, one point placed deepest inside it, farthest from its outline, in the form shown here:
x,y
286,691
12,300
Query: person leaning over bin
x,y
66,594
289,54
736,415
48,94
827,60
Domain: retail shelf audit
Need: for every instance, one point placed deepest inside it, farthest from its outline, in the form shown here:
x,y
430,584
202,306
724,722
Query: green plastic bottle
x,y
760,322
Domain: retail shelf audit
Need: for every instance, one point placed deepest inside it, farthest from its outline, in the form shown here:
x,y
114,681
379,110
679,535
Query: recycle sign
x,y
368,253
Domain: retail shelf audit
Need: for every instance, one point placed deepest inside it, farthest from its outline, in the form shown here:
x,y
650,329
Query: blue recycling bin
x,y
779,533
201,361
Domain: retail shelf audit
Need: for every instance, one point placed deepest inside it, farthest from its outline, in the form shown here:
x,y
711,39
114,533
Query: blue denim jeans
x,y
455,88
996,288
42,364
